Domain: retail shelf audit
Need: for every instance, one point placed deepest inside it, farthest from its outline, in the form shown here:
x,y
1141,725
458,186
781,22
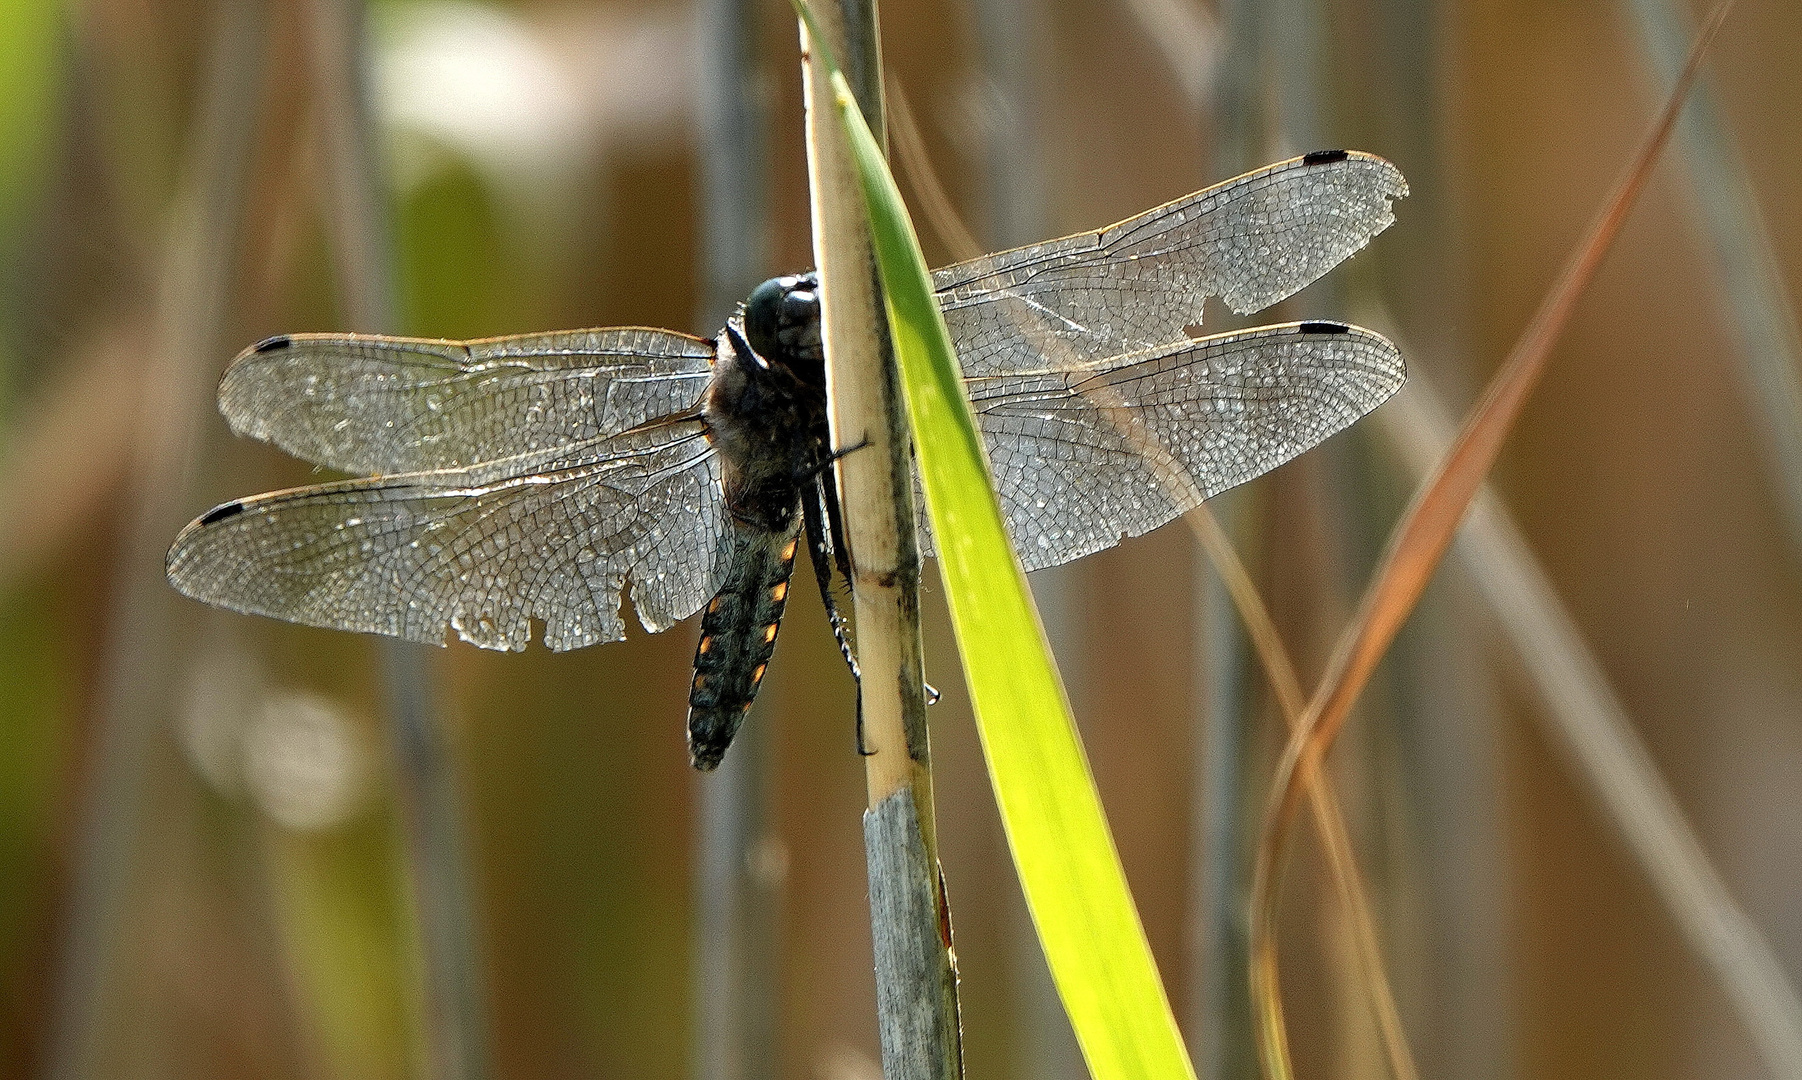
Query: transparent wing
x,y
1251,241
1084,455
482,550
369,404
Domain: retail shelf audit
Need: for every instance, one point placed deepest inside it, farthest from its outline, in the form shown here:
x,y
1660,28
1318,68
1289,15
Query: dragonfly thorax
x,y
765,411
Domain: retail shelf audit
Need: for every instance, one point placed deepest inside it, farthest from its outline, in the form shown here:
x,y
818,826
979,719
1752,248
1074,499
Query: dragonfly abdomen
x,y
738,636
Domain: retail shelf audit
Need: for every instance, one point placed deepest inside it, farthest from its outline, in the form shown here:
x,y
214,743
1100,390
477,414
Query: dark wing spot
x,y
270,344
1323,328
1324,157
221,512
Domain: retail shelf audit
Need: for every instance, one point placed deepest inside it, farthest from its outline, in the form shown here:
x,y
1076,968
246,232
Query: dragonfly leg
x,y
828,547
826,538
863,749
818,469
825,543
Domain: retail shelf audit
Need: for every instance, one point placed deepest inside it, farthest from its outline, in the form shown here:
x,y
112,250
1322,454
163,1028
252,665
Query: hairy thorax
x,y
765,407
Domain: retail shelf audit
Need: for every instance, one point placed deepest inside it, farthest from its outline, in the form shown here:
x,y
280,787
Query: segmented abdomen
x,y
738,634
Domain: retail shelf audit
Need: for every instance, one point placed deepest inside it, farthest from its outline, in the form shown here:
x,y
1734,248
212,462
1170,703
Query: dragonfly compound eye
x,y
799,327
763,315
782,319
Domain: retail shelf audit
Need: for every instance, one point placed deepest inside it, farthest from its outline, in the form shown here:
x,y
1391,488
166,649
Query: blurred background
x,y
232,848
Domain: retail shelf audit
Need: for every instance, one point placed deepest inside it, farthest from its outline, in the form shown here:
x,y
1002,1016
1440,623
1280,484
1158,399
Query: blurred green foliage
x,y
32,39
33,44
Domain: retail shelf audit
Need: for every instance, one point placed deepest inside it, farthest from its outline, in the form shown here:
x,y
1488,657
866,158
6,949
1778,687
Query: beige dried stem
x,y
1414,552
916,978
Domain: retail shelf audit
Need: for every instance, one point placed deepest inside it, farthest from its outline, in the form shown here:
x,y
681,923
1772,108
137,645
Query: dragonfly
x,y
551,478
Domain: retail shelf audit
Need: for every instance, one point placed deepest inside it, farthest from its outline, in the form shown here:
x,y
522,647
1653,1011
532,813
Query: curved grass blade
x,y
1414,552
1068,866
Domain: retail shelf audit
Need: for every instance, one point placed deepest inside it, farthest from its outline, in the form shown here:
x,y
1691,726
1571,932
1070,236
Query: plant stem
x,y
916,986
453,998
1589,722
141,652
737,889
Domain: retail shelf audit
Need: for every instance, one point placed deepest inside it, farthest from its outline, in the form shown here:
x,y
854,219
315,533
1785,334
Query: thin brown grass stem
x,y
1329,820
1755,303
916,165
737,945
1586,719
1413,554
1259,626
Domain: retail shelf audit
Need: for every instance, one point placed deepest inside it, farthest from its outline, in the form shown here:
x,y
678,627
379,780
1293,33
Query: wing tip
x,y
222,511
1393,365
1397,184
178,561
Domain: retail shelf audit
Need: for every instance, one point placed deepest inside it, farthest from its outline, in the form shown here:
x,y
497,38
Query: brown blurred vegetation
x,y
266,929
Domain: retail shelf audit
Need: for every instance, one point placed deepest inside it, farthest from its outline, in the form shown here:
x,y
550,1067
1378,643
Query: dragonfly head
x,y
782,324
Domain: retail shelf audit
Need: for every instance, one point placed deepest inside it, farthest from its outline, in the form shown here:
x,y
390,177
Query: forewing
x,y
1251,241
479,551
369,404
1084,456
